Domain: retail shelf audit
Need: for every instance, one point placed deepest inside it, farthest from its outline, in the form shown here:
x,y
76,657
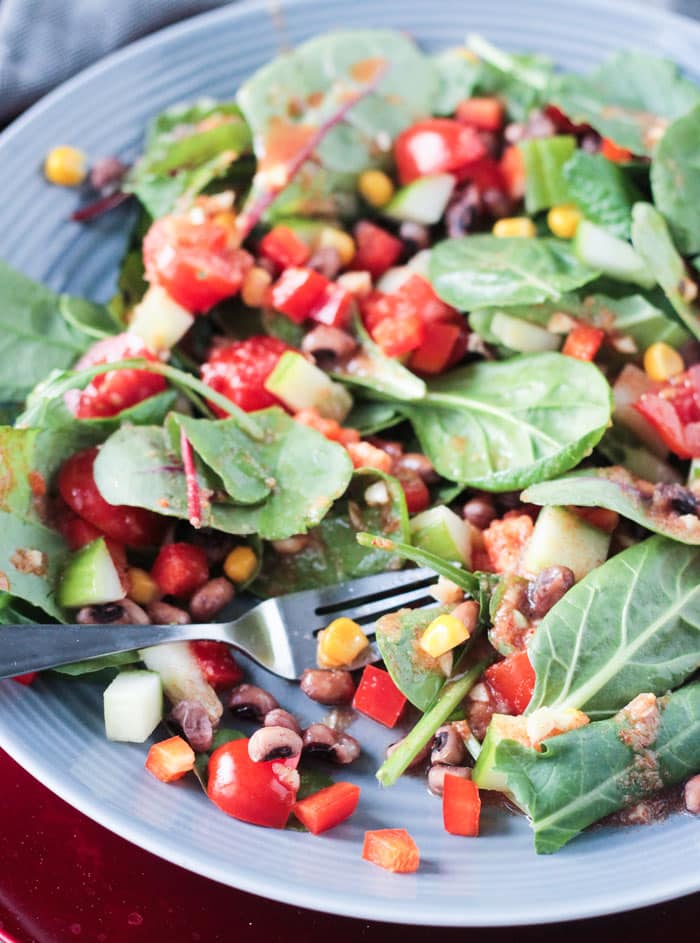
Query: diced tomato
x,y
282,246
461,806
436,146
674,411
392,849
366,455
378,697
194,262
505,540
376,250
259,793
615,153
217,664
297,292
399,333
512,681
513,170
415,491
328,807
239,370
486,173
418,294
485,114
334,307
583,342
75,531
26,678
436,353
402,321
170,759
132,527
180,569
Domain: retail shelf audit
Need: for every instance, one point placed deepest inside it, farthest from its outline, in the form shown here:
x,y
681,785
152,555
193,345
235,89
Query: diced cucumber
x,y
562,538
612,256
181,676
301,385
159,321
629,386
443,533
394,278
544,160
693,474
423,201
502,727
90,579
133,706
521,335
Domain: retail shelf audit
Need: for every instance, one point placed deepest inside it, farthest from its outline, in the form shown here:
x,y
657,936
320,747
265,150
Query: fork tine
x,y
373,610
330,599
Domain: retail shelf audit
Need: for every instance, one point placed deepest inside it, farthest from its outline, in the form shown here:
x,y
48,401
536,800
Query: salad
x,y
386,308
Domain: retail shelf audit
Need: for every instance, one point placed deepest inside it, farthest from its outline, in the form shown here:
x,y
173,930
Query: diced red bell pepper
x,y
583,342
513,170
403,321
418,294
512,681
485,114
436,146
25,678
378,697
217,664
282,246
334,307
435,353
392,849
614,152
486,174
297,292
376,250
180,569
328,807
461,806
399,333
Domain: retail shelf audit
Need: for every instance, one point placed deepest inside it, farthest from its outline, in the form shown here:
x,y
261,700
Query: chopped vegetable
x,y
341,643
328,807
170,759
378,697
461,806
392,849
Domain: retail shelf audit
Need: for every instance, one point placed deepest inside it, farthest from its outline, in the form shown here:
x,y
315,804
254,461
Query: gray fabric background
x,y
42,42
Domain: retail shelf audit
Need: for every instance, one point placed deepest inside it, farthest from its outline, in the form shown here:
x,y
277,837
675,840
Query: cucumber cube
x,y
133,706
159,321
423,201
443,533
610,255
301,385
562,538
90,579
521,335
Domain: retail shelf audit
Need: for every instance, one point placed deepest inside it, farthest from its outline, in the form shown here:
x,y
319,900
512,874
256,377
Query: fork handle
x,y
26,648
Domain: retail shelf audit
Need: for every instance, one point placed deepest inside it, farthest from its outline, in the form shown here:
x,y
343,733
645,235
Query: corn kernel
x,y
254,287
240,564
662,362
342,242
514,227
143,589
340,643
65,166
443,634
563,221
376,187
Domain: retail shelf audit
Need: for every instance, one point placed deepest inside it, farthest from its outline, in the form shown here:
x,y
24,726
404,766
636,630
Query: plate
x,y
54,728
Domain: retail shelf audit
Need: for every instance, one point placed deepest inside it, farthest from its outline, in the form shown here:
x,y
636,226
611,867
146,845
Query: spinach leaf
x,y
675,180
457,75
93,319
544,160
631,625
652,240
602,191
617,489
521,79
416,674
502,426
630,98
374,371
481,271
31,559
186,149
371,417
582,776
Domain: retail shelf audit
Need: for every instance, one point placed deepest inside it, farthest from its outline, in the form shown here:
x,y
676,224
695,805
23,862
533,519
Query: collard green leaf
x,y
631,625
416,674
482,271
615,488
501,426
675,180
602,191
31,559
582,776
630,98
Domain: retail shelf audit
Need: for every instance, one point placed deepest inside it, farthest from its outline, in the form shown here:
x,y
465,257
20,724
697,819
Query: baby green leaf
x,y
675,180
31,559
415,673
602,191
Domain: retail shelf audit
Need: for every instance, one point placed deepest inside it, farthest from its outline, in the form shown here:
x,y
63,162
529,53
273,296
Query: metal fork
x,y
279,634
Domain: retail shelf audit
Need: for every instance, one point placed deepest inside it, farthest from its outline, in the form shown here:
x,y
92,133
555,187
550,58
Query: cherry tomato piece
x,y
217,664
282,246
239,371
180,569
376,249
436,146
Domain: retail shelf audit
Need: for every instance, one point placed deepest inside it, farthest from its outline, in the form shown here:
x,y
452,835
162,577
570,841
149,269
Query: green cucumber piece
x,y
562,538
133,706
301,385
601,250
159,321
544,160
440,531
521,335
90,579
423,201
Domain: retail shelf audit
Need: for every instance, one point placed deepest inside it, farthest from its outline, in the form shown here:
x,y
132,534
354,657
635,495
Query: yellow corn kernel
x,y
662,362
563,221
376,187
240,564
512,227
254,288
340,643
65,166
342,242
443,634
143,589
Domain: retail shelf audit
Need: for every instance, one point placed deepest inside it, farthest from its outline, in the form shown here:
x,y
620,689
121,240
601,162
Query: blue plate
x,y
54,728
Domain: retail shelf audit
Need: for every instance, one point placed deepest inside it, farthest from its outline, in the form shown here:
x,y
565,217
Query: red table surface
x,y
65,878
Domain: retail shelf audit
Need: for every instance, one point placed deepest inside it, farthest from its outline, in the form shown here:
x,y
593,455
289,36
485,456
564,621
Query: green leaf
x,y
94,320
652,240
620,446
618,490
630,98
675,180
602,191
502,426
457,79
582,776
416,674
78,668
631,625
31,558
544,160
481,271
370,417
521,79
